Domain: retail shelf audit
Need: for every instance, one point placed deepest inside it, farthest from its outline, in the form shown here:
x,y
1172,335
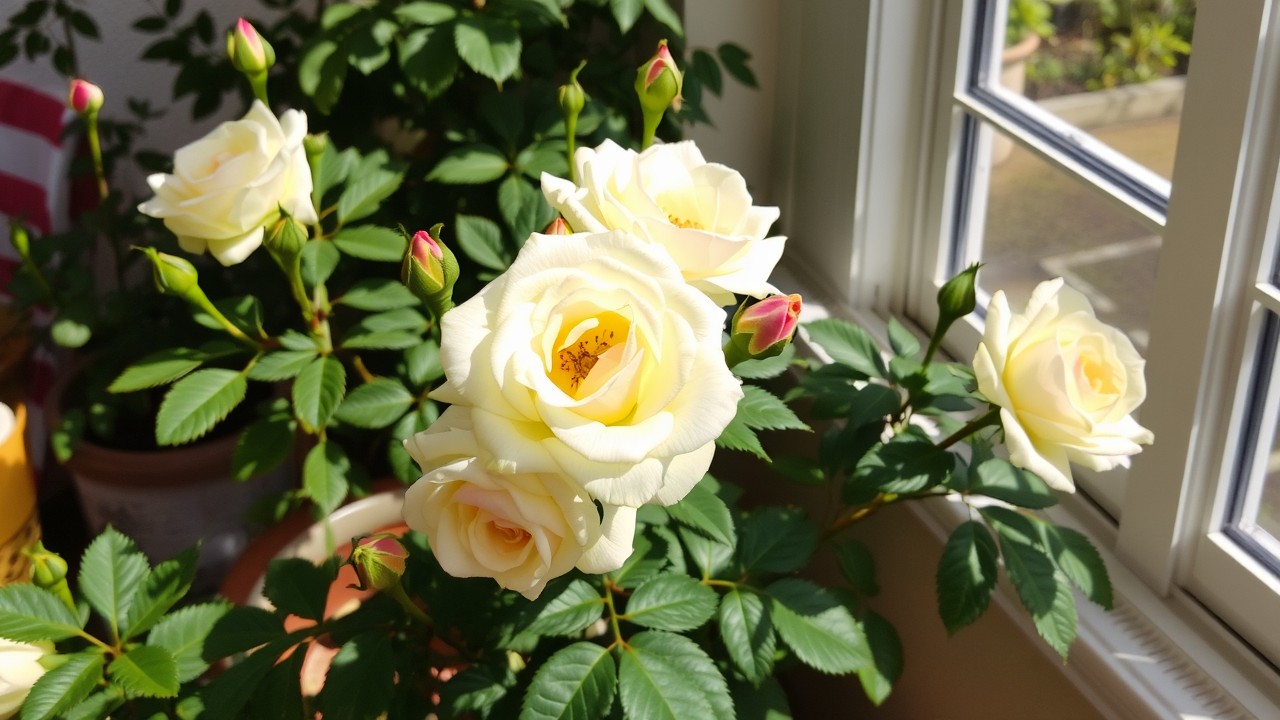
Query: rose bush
x,y
227,186
20,668
699,212
520,529
1066,384
592,357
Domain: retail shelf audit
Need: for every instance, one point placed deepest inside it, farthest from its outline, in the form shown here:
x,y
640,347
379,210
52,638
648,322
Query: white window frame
x,y
1171,568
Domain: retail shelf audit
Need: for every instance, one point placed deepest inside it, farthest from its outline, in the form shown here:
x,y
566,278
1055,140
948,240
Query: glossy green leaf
x,y
576,683
111,572
999,479
198,402
360,680
157,368
1079,560
63,687
146,671
325,475
377,294
297,587
241,629
671,602
161,589
488,45
966,575
317,392
29,614
776,540
746,629
848,344
663,652
370,182
429,59
371,242
481,240
705,512
264,445
426,13
821,631
280,365
570,612
473,164
183,633
886,651
375,404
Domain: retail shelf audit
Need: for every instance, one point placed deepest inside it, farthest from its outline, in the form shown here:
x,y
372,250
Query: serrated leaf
x,y
570,612
371,242
63,687
111,571
156,369
966,575
760,409
473,164
848,344
377,294
1057,625
198,402
671,602
263,445
857,566
576,683
317,261
225,697
705,512
426,13
146,671
297,587
737,436
656,649
710,557
776,540
653,688
481,240
422,363
183,634
647,559
163,587
317,392
280,365
821,631
373,180
1080,562
747,632
333,169
375,404
360,680
1030,570
523,208
886,650
999,479
241,629
763,369
490,46
29,614
429,59
325,476
905,464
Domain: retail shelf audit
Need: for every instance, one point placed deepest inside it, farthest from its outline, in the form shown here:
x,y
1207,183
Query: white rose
x,y
700,212
1066,384
20,668
228,185
591,356
521,530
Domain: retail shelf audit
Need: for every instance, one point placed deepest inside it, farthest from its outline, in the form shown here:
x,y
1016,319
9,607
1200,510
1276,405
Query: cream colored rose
x,y
700,212
591,356
228,185
522,530
1066,384
20,668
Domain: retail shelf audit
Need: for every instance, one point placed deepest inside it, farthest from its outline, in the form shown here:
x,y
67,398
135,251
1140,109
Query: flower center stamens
x,y
577,360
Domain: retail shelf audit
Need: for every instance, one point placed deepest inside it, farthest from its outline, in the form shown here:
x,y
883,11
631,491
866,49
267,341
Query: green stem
x,y
204,304
107,648
651,121
613,614
933,348
571,130
398,594
259,83
990,417
95,151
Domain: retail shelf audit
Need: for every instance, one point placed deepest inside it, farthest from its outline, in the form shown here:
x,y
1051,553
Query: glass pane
x,y
1030,221
1114,68
1257,506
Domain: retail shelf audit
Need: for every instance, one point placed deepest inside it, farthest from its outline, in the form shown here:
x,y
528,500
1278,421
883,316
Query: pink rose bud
x,y
659,81
85,97
430,270
378,561
762,329
558,227
248,51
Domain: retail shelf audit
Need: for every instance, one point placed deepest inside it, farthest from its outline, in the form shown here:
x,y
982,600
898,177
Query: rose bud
x,y
762,329
284,241
430,270
956,298
173,275
84,97
658,84
248,51
558,227
378,561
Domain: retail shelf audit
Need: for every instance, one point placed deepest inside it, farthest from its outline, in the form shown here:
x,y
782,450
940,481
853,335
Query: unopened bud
x,y
571,97
47,568
762,329
558,227
430,270
958,296
248,51
659,81
84,97
173,275
378,561
284,241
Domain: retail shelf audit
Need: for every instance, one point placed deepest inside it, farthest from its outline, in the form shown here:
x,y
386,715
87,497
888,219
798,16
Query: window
x,y
1182,254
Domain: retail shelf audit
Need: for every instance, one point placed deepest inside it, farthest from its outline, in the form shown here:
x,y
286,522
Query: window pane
x,y
1256,509
1030,221
1114,69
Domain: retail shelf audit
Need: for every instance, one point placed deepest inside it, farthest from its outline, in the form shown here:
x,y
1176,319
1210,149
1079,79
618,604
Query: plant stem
x,y
651,121
259,82
933,348
613,614
857,513
990,417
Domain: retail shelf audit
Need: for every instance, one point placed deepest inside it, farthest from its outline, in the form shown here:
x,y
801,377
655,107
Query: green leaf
x,y
848,344
966,575
371,242
111,571
626,12
576,683
360,680
400,319
907,463
671,602
1029,568
244,311
902,340
490,46
324,476
280,365
163,587
422,363
747,632
183,633
376,294
322,72
375,404
369,183
263,445
198,402
146,671
549,156
735,60
1079,560
473,164
737,436
646,560
429,60
999,479
99,704
760,409
426,13
63,687
766,368
857,566
802,470
362,339
886,650
226,696
297,587
279,694
663,13
767,702
710,557
369,44
706,68
1057,625
333,170
705,512
241,629
318,260
654,688
660,652
29,614
570,612
818,628
776,540
523,208
157,369
317,392
481,240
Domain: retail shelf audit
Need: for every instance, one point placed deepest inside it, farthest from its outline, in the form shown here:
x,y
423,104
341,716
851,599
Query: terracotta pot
x,y
168,500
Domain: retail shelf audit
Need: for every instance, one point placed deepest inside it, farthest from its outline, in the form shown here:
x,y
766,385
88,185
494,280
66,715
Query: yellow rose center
x,y
681,208
683,223
510,534
582,346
